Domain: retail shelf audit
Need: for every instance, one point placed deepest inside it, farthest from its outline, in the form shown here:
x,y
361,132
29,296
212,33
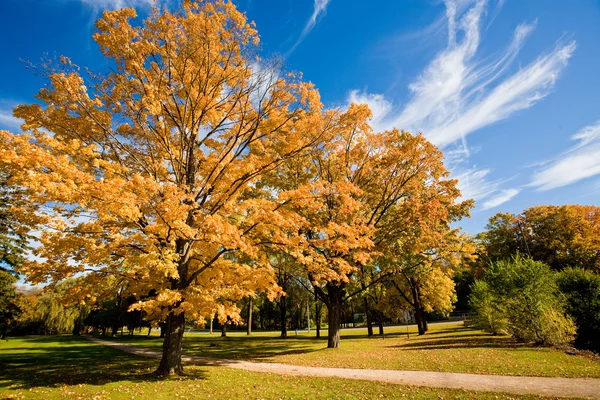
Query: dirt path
x,y
563,387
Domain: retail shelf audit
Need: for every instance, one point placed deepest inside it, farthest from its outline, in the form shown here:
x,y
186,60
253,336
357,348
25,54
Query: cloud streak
x,y
474,183
7,120
580,162
320,8
502,197
459,92
116,4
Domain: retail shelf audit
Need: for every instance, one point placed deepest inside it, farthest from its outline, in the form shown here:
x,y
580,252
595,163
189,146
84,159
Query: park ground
x,y
52,367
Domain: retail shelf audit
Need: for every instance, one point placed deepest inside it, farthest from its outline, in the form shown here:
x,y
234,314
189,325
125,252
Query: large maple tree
x,y
146,175
356,193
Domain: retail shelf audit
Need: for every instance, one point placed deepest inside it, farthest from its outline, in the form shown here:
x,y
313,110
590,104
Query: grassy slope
x,y
449,348
59,367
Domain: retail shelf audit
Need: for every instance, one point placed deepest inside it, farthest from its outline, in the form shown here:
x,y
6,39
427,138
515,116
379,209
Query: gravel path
x,y
562,387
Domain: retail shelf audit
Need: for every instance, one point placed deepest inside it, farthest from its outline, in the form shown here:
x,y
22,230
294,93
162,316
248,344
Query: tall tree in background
x,y
345,191
422,264
147,174
560,236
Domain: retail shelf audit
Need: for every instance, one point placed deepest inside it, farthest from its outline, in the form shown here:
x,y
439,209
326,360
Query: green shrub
x,y
488,313
521,296
582,290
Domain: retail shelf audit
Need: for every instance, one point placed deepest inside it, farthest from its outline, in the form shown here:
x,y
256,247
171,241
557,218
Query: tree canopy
x,y
178,174
560,236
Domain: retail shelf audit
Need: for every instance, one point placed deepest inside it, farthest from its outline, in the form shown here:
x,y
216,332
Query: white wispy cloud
x,y
499,198
580,162
7,120
116,4
457,93
320,8
378,104
460,92
474,183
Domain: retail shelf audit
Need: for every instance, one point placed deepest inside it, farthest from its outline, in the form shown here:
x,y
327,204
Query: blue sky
x,y
509,89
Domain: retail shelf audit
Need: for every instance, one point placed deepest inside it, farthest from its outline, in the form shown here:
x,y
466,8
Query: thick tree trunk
x,y
249,319
368,316
283,309
334,314
170,364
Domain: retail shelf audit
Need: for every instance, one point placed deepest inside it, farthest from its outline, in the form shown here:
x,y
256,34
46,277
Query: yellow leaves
x,y
437,291
184,168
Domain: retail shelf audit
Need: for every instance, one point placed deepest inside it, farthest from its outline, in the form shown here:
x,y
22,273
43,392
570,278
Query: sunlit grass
x,y
447,347
66,367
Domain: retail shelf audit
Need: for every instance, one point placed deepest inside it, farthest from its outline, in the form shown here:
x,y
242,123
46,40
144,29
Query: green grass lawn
x,y
447,347
66,367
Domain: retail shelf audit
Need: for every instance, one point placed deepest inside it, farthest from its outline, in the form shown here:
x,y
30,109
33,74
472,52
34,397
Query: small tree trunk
x,y
224,329
211,326
249,330
170,364
283,309
308,313
149,330
318,317
163,329
419,315
368,315
380,323
77,327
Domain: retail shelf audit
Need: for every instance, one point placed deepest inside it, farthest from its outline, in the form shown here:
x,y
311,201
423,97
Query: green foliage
x,y
13,235
49,312
582,290
9,302
526,293
56,315
489,311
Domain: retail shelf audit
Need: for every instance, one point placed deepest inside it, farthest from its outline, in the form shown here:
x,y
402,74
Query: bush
x,y
488,313
582,290
521,296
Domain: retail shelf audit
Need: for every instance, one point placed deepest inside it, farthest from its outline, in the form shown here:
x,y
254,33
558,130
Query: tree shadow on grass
x,y
251,348
235,347
54,361
470,340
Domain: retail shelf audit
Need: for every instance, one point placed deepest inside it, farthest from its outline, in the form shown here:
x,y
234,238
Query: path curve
x,y
544,386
